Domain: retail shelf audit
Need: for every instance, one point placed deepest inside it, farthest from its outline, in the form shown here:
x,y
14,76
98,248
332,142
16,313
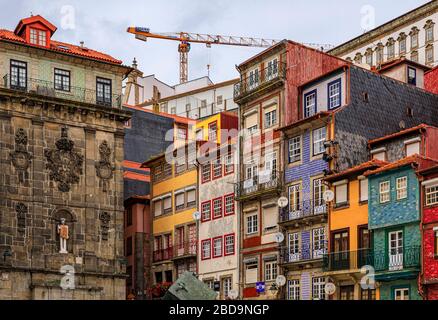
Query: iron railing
x,y
259,183
347,260
395,260
306,208
304,252
188,248
163,254
251,83
47,89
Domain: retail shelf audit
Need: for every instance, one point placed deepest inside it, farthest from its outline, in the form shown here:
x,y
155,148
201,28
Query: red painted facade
x,y
431,81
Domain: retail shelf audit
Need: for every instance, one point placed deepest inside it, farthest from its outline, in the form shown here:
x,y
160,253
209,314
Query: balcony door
x,y
318,201
318,240
395,251
192,239
294,247
294,201
364,246
180,241
340,247
18,75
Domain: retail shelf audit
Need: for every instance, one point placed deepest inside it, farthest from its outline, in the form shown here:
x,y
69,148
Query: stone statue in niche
x,y
21,158
63,236
105,219
64,163
104,168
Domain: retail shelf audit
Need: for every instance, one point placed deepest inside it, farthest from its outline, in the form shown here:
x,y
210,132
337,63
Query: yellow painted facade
x,y
204,124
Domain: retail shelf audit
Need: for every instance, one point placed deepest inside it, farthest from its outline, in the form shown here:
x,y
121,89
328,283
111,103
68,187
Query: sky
x,y
102,26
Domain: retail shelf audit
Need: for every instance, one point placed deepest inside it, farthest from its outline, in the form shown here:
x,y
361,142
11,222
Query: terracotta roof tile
x,y
374,163
399,133
419,160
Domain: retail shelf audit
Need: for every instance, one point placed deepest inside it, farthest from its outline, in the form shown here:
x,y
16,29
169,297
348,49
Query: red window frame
x,y
202,173
38,35
186,130
202,211
226,213
214,177
222,247
202,249
209,130
225,165
212,208
225,244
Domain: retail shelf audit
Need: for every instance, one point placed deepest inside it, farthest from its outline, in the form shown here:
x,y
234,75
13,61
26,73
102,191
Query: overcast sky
x,y
102,25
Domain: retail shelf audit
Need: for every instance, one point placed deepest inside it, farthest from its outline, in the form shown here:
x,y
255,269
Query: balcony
x,y
47,89
163,254
258,185
185,250
347,260
305,211
254,86
304,254
397,260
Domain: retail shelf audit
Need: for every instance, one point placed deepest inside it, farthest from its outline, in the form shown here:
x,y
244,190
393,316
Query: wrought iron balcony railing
x,y
303,253
260,183
347,260
185,249
163,254
258,80
397,259
304,209
48,89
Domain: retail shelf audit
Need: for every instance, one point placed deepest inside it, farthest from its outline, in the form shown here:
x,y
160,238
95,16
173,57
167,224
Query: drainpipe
x,y
420,276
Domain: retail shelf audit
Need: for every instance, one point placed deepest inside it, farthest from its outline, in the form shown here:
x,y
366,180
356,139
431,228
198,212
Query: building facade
x,y
431,80
61,189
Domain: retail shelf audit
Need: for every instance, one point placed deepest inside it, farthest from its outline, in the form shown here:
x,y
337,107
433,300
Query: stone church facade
x,y
61,153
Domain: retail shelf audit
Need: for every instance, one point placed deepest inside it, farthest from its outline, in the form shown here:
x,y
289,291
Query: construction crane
x,y
186,38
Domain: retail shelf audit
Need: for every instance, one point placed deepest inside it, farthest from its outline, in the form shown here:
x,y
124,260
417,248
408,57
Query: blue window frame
x,y
310,103
334,94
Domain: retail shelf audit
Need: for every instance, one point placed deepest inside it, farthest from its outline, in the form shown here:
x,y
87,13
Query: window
x,y
209,283
206,172
295,149
103,91
251,273
379,54
270,118
206,249
318,285
62,80
318,191
429,54
358,58
188,107
167,170
181,133
431,195
414,38
179,200
219,100
191,198
129,216
319,242
310,106
229,204
414,56
157,208
38,37
319,136
369,57
402,46
212,131
293,246
363,185
271,164
206,211
384,191
294,198
390,49
229,166
129,246
167,204
164,107
367,294
401,294
435,245
173,110
253,79
293,290
226,286
402,188
252,224
334,94
229,244
379,155
341,194
128,123
217,247
217,169
217,208
270,271
429,32
270,218
18,74
412,76
272,69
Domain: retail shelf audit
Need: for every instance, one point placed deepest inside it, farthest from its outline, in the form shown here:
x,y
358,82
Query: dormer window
x,y
38,37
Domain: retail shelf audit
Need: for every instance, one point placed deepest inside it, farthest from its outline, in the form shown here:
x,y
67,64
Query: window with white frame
x,y
229,204
341,193
253,78
379,54
293,289
38,37
212,131
431,195
226,287
229,244
206,249
217,208
158,208
402,45
294,198
209,283
401,294
179,200
270,270
384,195
429,32
271,163
369,57
319,137
206,211
293,246
390,50
414,38
319,242
318,191
270,118
363,190
272,69
252,226
219,100
310,104
251,272
206,172
217,169
182,133
318,285
334,94
429,54
295,149
217,247
229,166
402,188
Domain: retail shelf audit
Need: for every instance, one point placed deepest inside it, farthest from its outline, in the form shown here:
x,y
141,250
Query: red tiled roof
x,y
34,19
136,176
374,163
134,165
421,161
399,133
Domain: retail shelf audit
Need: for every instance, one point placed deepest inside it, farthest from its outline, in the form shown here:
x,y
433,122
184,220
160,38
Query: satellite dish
x,y
328,195
196,215
330,288
279,237
233,294
280,281
282,202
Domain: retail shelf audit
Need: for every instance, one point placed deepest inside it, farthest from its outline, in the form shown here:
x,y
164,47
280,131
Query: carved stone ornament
x,y
64,164
105,219
21,211
104,168
21,158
